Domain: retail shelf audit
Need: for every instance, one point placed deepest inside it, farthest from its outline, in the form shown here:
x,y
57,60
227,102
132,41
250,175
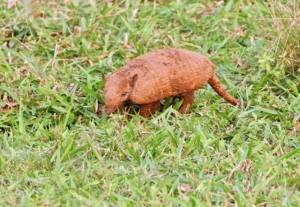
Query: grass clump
x,y
56,151
284,23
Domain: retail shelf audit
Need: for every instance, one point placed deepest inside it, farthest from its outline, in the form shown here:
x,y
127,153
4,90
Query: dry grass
x,y
285,33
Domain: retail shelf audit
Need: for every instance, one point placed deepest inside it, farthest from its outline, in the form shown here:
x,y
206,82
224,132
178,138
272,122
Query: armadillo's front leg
x,y
147,109
188,100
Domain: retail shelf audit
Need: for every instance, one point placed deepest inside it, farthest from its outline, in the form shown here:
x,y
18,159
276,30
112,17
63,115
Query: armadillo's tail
x,y
217,86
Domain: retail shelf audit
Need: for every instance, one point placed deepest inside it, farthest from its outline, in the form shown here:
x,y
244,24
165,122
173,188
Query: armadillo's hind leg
x,y
147,109
188,100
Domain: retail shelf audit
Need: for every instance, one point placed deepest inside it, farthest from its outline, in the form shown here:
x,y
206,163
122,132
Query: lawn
x,y
59,149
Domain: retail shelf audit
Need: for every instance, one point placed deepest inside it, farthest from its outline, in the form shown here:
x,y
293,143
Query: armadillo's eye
x,y
124,94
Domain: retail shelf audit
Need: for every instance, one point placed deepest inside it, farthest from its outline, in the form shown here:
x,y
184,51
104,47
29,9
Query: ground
x,y
59,149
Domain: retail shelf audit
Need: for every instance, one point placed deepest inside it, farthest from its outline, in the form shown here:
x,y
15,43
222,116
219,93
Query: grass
x,y
57,151
284,22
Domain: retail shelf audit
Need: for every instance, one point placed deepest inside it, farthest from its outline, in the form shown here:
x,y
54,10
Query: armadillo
x,y
164,73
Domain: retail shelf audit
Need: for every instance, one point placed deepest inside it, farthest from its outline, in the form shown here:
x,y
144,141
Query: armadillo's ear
x,y
103,77
133,79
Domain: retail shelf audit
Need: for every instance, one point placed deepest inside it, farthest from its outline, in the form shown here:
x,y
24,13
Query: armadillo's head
x,y
117,90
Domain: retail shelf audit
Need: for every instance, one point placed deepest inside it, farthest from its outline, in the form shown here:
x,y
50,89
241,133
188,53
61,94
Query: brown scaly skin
x,y
160,74
188,100
147,109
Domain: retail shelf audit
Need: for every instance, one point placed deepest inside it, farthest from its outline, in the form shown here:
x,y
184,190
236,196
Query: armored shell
x,y
166,73
160,74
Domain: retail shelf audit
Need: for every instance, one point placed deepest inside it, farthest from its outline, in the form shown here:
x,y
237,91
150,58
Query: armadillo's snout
x,y
110,109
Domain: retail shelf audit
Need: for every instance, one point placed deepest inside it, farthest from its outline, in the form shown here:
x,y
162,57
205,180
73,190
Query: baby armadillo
x,y
149,78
